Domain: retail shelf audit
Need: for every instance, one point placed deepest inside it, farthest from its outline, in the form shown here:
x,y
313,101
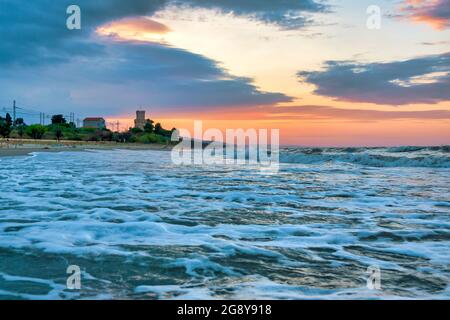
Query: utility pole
x,y
14,112
117,125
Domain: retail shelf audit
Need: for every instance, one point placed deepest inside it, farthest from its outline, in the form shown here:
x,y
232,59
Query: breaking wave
x,y
431,157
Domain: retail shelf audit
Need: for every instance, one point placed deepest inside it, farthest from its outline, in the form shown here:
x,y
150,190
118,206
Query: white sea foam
x,y
310,231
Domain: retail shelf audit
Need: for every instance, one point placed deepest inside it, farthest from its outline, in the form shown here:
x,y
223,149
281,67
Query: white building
x,y
93,122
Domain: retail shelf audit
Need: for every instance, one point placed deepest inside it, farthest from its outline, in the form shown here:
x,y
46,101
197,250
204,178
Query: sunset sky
x,y
312,69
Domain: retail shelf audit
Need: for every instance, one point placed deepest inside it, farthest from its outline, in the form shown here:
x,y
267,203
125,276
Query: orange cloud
x,y
139,28
302,112
433,12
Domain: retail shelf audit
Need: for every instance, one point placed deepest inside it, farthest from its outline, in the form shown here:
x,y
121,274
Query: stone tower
x,y
140,120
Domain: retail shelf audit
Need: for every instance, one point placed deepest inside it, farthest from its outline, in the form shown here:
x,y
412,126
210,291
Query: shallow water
x,y
140,227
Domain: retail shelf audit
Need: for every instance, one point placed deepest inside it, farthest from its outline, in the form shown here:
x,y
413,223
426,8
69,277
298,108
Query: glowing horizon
x,y
323,71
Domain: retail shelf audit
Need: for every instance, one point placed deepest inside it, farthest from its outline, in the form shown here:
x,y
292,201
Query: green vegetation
x,y
153,138
6,126
58,119
60,129
35,131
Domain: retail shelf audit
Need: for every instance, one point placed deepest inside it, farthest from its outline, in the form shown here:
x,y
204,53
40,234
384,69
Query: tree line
x,y
60,129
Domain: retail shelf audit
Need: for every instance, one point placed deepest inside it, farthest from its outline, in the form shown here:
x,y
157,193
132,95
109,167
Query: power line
x,y
14,111
34,112
114,125
28,111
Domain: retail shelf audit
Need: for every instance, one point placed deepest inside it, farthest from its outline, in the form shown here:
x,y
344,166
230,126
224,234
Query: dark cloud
x,y
35,31
284,13
419,80
132,75
46,65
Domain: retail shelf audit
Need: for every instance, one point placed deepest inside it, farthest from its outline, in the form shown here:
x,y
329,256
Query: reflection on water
x,y
140,227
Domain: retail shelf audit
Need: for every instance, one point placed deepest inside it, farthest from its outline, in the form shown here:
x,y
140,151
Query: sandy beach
x,y
14,147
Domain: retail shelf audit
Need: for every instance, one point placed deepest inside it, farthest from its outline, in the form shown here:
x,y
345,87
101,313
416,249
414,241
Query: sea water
x,y
140,227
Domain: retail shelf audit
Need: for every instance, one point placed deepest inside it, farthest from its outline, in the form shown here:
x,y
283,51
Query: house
x,y
97,123
140,122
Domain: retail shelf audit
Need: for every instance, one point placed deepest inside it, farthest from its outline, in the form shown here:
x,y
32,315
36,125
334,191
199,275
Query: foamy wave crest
x,y
445,149
431,157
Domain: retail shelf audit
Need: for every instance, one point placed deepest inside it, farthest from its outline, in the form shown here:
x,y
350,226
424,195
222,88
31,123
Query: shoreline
x,y
25,147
